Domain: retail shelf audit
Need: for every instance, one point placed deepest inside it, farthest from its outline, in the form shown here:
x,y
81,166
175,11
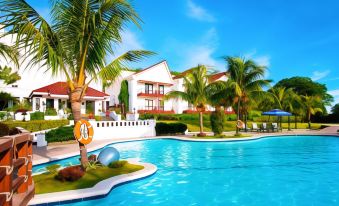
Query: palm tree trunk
x,y
238,116
201,123
75,98
309,120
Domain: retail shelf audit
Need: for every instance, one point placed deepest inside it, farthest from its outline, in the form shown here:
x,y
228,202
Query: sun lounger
x,y
275,127
264,127
255,127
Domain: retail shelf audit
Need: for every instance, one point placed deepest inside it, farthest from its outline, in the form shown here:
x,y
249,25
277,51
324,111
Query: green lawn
x,y
193,125
46,183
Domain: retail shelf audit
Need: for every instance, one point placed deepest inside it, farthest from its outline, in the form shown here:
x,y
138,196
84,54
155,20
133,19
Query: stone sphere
x,y
108,155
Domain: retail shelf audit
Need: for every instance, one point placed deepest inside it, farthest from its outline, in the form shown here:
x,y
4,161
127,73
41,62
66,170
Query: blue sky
x,y
292,38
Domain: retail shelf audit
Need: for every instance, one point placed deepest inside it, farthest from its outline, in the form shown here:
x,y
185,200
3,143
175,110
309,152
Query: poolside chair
x,y
255,127
264,127
275,127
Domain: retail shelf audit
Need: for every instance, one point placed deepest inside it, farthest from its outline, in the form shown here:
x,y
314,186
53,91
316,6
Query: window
x,y
149,88
148,104
37,104
161,89
49,103
161,105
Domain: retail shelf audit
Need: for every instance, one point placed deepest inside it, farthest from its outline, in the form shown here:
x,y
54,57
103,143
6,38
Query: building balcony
x,y
153,93
154,110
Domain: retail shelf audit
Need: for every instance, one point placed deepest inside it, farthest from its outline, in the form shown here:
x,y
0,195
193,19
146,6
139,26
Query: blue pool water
x,y
288,171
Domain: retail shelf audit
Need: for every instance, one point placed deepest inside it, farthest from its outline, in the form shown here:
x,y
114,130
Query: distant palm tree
x,y
312,105
247,80
9,53
76,44
197,92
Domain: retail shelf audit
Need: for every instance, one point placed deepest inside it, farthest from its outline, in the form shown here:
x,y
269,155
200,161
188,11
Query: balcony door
x,y
148,104
149,88
161,89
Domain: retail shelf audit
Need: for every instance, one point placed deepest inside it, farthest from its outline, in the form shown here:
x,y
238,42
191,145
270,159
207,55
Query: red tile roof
x,y
61,88
217,76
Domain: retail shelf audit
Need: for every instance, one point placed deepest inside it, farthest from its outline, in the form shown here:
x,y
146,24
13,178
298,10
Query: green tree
x,y
247,80
8,76
124,96
197,91
312,105
335,110
305,86
82,34
217,119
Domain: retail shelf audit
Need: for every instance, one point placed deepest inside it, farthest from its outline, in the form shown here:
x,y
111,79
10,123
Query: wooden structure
x,y
16,184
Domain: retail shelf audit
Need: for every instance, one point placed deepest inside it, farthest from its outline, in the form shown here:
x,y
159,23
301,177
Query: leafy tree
x,y
197,91
312,105
124,95
82,34
246,79
4,99
305,86
335,110
7,76
217,119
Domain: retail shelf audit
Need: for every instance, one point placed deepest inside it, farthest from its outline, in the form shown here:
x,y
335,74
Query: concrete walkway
x,y
61,151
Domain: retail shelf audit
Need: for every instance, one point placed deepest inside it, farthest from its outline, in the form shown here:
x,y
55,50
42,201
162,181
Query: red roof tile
x,y
217,76
61,88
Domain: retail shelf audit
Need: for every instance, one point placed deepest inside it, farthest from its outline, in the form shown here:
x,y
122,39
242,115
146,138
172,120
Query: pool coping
x,y
101,189
180,138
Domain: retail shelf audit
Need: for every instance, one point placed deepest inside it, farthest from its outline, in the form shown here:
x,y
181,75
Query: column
x,y
133,96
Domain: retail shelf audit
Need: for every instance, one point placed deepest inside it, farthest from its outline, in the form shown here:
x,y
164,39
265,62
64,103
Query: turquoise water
x,y
288,171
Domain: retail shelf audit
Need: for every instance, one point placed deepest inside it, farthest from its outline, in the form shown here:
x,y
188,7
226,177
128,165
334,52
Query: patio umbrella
x,y
279,113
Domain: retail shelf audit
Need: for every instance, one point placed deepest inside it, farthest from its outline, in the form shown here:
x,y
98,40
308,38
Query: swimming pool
x,y
293,170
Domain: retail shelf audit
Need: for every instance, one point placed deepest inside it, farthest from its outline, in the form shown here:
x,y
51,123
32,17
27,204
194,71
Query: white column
x,y
56,104
33,104
133,94
42,104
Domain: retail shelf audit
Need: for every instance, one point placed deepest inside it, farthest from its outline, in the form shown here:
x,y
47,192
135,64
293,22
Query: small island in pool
x,y
57,181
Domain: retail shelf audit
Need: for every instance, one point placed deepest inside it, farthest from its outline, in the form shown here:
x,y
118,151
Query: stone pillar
x,y
133,94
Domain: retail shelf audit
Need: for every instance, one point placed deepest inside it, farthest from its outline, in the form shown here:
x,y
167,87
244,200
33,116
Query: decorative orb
x,y
108,155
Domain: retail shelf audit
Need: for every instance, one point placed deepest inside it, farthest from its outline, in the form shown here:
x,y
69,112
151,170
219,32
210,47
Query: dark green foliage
x,y
4,129
7,76
51,112
37,125
217,122
231,117
335,110
170,128
123,95
117,164
4,99
37,116
60,134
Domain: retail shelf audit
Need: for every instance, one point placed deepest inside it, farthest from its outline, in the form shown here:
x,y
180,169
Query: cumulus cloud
x,y
316,75
263,60
197,12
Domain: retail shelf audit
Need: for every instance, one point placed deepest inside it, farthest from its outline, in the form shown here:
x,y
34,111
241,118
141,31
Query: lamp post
x,y
134,110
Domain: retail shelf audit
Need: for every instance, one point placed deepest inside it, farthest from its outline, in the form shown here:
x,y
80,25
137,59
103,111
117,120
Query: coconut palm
x,y
312,105
9,53
197,91
246,78
77,42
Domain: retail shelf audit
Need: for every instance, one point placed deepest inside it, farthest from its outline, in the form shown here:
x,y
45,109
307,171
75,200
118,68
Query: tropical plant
x,y
312,105
124,96
9,53
217,119
197,91
247,80
8,76
5,98
81,35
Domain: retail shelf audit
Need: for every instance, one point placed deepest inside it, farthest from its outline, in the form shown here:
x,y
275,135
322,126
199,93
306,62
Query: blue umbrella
x,y
279,113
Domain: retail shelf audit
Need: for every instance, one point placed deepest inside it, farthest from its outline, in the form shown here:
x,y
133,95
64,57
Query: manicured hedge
x,y
170,128
37,116
60,134
37,125
217,122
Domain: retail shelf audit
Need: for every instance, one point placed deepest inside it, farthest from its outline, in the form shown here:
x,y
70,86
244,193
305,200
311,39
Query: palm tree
x,y
76,44
9,53
197,91
246,78
312,105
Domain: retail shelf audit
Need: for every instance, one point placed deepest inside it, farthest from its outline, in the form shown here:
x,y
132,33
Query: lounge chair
x,y
275,127
264,127
255,127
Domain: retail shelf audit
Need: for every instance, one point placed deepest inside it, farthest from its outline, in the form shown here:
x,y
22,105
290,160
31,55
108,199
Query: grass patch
x,y
222,136
46,183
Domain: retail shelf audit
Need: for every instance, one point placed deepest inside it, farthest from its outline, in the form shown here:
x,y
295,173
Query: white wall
x,y
123,129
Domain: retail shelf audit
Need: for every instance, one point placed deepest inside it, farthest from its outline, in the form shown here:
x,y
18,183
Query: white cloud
x,y
334,92
262,60
197,12
316,75
129,42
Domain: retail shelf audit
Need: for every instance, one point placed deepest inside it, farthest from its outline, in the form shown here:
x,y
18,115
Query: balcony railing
x,y
151,93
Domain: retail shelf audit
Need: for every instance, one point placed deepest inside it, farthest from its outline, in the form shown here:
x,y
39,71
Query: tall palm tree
x,y
197,91
247,80
76,43
312,105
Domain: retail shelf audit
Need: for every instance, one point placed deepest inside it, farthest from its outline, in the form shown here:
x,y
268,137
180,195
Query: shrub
x,y
117,164
70,174
37,125
217,122
231,117
60,134
4,130
51,112
2,115
167,117
53,169
170,128
194,117
70,117
147,116
37,116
